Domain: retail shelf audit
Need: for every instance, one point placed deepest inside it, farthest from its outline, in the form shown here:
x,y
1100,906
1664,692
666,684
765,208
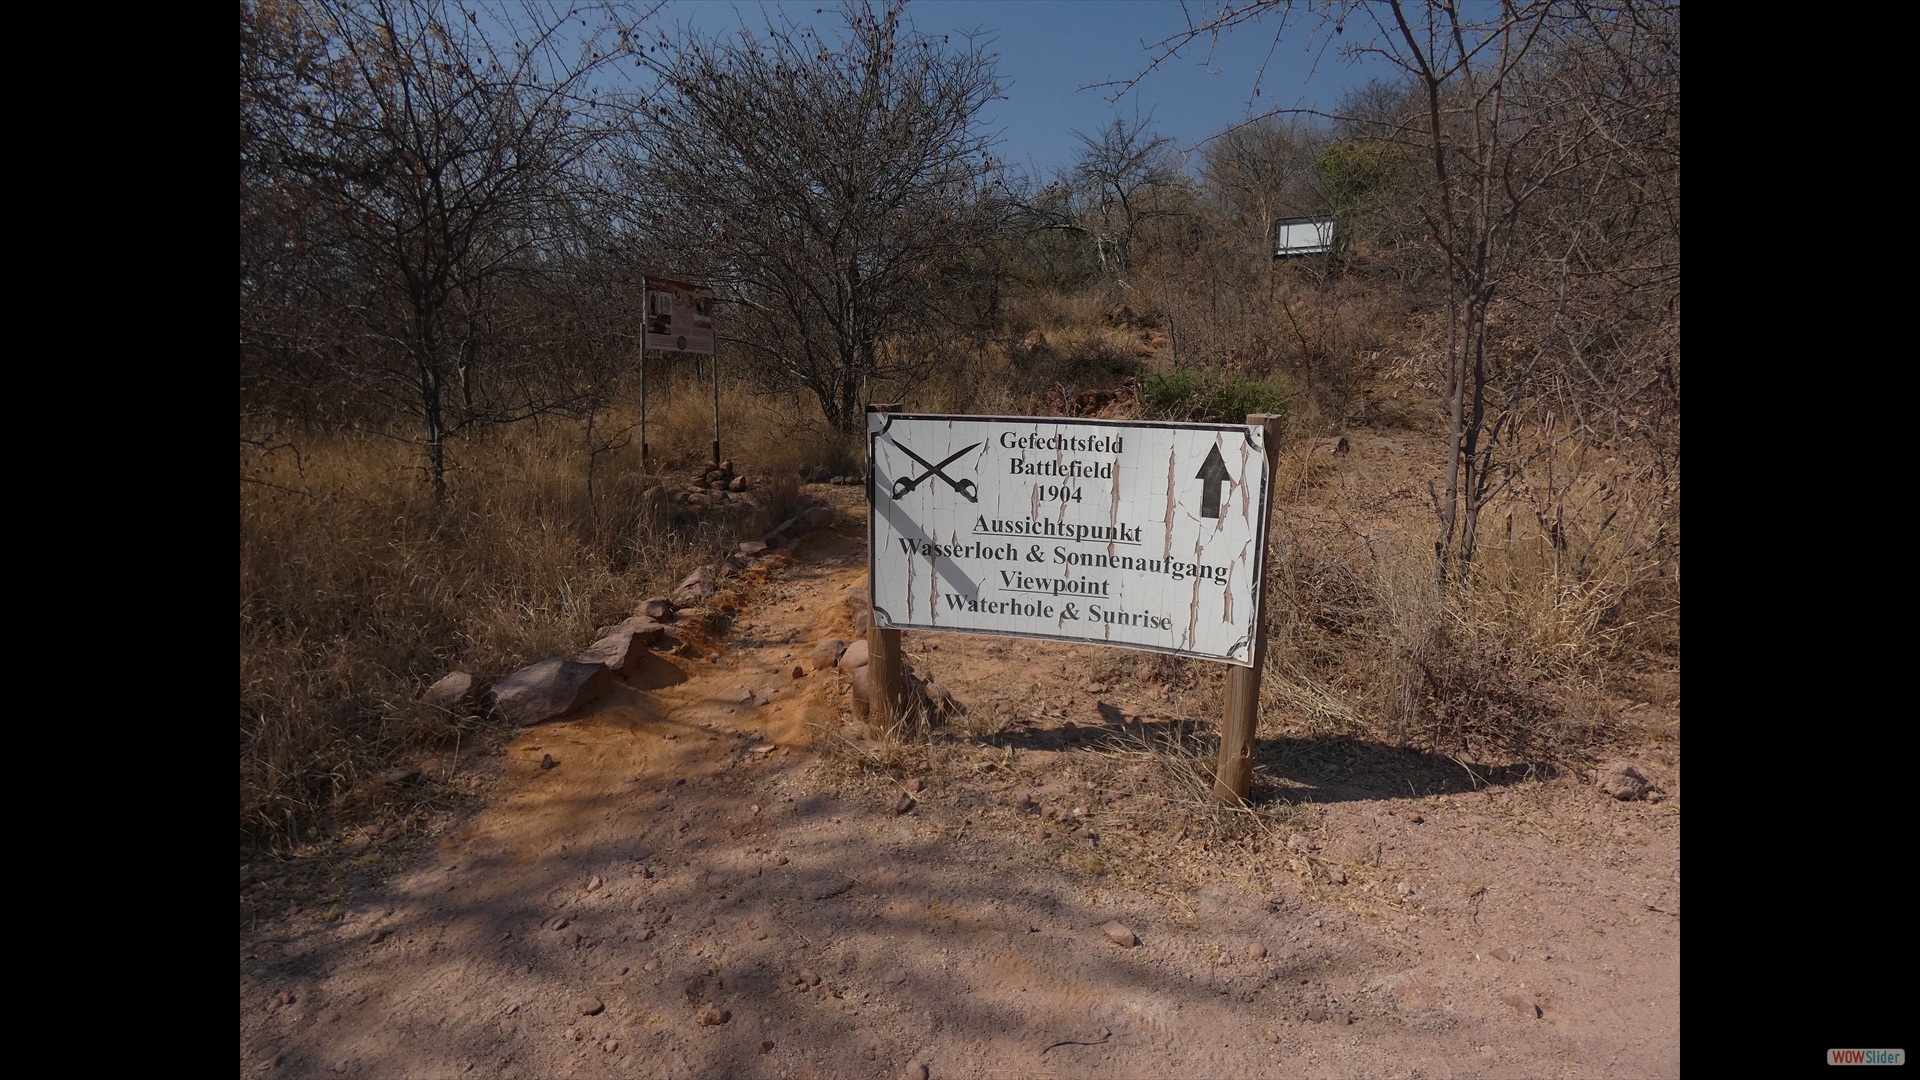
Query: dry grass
x,y
1508,662
358,590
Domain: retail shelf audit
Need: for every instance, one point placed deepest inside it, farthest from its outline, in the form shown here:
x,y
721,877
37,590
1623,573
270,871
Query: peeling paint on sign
x,y
1070,529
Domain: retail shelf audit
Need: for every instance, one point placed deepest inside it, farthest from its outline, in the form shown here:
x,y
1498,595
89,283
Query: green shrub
x,y
1200,395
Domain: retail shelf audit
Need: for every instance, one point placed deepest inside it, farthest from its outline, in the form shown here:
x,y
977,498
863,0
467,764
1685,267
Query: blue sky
x,y
1050,49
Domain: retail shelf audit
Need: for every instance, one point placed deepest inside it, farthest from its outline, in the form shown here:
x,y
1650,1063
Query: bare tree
x,y
1533,117
1262,173
821,187
1128,176
425,153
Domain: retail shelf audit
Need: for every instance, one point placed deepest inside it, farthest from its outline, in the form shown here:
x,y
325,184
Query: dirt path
x,y
691,849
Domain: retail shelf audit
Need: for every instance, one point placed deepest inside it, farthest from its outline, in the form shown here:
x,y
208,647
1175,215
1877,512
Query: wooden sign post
x,y
886,686
1233,778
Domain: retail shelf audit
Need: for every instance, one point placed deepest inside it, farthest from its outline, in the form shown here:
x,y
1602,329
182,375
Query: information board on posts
x,y
679,317
1139,535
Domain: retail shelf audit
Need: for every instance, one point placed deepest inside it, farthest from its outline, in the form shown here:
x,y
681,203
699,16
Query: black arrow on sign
x,y
1214,472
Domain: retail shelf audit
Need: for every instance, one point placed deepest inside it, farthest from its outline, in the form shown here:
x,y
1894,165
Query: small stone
x,y
1338,877
611,1046
1500,954
905,804
1622,780
1119,934
857,678
854,657
1416,818
697,586
807,976
451,691
547,762
915,1071
1297,842
1094,687
589,1005
1272,1038
1023,801
1256,951
1403,889
710,1016
916,785
766,1046
827,653
400,775
1523,1003
780,861
1041,832
658,608
378,937
594,883
560,924
799,672
1317,1014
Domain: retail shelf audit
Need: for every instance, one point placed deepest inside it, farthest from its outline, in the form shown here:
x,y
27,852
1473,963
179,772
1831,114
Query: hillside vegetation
x,y
445,223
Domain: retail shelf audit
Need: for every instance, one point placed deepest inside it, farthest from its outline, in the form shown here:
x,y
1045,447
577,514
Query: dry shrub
x,y
1364,641
763,434
358,590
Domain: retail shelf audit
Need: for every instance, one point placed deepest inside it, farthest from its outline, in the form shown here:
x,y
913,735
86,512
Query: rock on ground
x,y
548,689
860,689
1622,781
854,657
621,649
828,653
452,691
696,587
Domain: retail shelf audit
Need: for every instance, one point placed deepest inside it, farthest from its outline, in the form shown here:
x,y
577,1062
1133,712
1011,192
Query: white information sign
x,y
679,316
1140,535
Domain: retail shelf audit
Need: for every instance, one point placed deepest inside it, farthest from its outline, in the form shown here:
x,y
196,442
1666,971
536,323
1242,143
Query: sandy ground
x,y
694,853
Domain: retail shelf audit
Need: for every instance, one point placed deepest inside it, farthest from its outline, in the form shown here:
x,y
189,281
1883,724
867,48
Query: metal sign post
x,y
1136,535
679,318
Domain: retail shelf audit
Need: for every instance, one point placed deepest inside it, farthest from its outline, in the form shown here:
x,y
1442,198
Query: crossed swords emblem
x,y
965,487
